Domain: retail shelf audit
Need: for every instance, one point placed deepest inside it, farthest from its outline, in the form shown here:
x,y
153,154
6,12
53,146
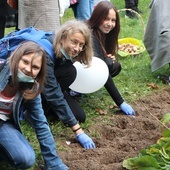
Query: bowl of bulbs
x,y
130,47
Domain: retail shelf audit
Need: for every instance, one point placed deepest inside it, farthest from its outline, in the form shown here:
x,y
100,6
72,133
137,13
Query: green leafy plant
x,y
155,157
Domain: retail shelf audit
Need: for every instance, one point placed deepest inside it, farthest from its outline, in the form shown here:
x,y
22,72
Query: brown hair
x,y
109,42
25,49
69,28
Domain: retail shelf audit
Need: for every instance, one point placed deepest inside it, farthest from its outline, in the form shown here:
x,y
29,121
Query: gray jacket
x,y
157,34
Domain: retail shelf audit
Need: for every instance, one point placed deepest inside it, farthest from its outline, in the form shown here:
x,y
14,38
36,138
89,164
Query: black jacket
x,y
114,69
5,9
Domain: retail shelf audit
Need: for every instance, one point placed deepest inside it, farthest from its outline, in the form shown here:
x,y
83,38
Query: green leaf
x,y
130,163
147,162
166,118
166,151
141,163
150,168
166,133
162,141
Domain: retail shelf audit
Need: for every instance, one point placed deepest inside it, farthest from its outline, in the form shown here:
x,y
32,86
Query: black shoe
x,y
130,14
138,11
165,79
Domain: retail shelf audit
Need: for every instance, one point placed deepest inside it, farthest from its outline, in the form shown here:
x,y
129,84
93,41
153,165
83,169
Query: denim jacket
x,y
38,121
55,98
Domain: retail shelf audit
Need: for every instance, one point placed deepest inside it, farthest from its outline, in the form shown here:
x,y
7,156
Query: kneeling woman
x,y
105,31
21,82
72,42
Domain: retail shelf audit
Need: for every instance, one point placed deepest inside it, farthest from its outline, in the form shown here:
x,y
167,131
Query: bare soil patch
x,y
121,136
118,137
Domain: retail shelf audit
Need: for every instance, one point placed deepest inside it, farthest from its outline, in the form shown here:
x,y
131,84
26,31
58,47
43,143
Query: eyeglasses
x,y
74,43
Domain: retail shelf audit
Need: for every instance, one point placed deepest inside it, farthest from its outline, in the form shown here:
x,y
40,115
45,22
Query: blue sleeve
x,y
35,116
55,98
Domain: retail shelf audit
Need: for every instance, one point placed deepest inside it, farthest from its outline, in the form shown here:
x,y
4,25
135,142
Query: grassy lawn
x,y
131,82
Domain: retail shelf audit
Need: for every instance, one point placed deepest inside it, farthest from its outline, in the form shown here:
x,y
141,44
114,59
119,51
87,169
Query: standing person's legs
x,y
14,148
136,9
84,9
91,3
136,3
39,14
16,20
74,8
130,4
2,26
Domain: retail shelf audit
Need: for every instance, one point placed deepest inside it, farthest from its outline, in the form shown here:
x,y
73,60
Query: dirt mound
x,y
120,137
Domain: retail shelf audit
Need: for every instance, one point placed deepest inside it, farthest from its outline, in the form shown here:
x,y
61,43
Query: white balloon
x,y
90,79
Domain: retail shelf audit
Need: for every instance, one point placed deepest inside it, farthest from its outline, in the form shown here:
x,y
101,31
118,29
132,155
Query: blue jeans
x,y
14,148
83,9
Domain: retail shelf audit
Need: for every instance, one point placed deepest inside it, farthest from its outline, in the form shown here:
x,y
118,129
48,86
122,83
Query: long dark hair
x,y
109,42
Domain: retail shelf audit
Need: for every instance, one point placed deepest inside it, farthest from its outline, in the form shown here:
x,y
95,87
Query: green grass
x,y
131,82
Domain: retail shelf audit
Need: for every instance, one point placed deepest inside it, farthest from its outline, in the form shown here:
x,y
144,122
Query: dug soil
x,y
120,137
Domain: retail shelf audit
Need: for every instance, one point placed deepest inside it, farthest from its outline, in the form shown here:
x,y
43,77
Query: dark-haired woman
x,y
105,30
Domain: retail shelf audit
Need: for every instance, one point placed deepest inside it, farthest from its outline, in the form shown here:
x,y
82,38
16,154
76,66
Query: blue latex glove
x,y
127,109
85,141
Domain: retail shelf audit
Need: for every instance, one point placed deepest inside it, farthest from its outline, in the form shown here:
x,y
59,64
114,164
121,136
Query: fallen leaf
x,y
153,86
102,112
113,107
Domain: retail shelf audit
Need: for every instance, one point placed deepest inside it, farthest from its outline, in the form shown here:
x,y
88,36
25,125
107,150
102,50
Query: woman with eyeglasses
x,y
72,42
105,30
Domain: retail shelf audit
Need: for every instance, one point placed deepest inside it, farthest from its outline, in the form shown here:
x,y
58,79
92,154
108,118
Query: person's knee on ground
x,y
113,66
116,70
24,160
